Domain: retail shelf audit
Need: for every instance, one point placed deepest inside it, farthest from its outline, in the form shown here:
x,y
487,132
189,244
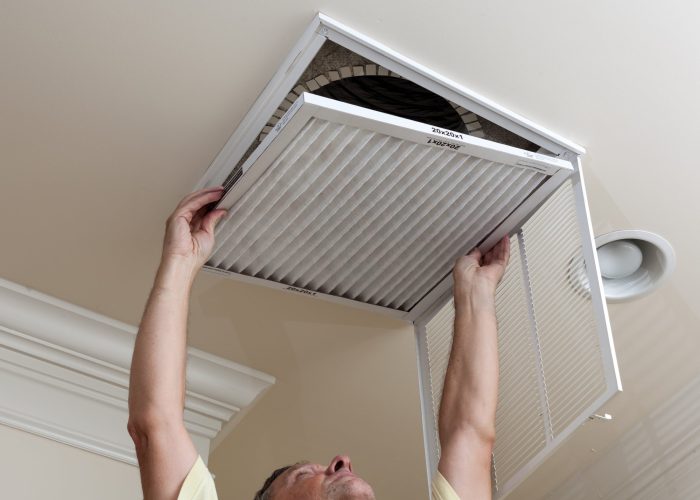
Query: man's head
x,y
309,481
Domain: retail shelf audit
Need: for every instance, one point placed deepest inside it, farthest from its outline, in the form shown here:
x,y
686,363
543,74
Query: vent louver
x,y
353,203
555,368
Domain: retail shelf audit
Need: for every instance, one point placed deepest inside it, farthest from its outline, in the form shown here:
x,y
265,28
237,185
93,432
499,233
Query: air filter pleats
x,y
366,216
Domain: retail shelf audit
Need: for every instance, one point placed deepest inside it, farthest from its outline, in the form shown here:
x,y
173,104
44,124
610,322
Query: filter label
x,y
444,144
300,290
448,133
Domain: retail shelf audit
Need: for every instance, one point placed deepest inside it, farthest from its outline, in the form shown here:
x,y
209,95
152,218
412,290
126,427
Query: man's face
x,y
317,482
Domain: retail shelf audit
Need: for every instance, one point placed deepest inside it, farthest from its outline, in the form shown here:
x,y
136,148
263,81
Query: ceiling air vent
x,y
353,203
359,176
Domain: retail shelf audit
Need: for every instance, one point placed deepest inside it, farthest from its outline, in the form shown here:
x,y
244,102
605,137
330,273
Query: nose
x,y
339,462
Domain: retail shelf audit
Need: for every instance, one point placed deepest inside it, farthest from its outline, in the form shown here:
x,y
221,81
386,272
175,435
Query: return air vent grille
x,y
564,312
358,204
552,367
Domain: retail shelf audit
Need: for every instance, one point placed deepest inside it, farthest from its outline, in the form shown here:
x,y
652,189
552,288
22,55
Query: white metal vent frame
x,y
324,28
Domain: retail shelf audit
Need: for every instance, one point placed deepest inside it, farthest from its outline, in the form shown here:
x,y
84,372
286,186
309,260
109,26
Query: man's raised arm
x,y
157,387
467,417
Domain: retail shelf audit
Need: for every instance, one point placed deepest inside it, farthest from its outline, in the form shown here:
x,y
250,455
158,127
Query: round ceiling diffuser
x,y
633,263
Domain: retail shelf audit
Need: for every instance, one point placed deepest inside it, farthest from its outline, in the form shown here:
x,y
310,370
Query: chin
x,y
351,489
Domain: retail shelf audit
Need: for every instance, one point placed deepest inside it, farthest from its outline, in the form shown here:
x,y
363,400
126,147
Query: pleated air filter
x,y
356,204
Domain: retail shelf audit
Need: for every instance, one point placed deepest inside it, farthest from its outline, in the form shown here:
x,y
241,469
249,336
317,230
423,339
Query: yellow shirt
x,y
199,485
442,490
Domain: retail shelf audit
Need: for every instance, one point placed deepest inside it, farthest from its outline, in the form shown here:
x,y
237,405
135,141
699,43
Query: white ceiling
x,y
110,112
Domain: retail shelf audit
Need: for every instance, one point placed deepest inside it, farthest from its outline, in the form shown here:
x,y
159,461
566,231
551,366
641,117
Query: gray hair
x,y
264,492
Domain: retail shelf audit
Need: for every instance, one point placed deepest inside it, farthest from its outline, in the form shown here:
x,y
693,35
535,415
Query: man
x,y
169,464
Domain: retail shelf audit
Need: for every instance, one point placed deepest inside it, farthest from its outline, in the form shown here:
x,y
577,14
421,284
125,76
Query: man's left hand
x,y
189,232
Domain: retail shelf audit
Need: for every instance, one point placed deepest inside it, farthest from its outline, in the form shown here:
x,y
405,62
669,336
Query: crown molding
x,y
64,375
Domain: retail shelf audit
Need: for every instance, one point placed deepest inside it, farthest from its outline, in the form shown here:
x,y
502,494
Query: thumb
x,y
212,218
476,254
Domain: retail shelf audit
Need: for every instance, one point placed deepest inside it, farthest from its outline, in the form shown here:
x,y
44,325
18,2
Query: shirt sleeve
x,y
198,485
442,490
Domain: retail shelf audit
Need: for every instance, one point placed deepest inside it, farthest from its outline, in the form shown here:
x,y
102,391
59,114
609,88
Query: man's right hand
x,y
479,275
467,419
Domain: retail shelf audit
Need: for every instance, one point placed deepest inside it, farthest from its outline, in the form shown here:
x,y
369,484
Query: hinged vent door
x,y
557,361
345,202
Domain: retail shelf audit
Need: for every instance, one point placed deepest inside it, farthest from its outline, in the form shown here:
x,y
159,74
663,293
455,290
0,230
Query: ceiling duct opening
x,y
340,74
334,63
395,96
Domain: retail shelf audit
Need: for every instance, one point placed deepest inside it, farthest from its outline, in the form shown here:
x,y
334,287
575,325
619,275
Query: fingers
x,y
500,252
212,219
191,203
476,253
506,249
199,192
198,217
503,250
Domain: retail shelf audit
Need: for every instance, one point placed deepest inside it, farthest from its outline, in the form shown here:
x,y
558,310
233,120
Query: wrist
x,y
175,272
477,289
475,299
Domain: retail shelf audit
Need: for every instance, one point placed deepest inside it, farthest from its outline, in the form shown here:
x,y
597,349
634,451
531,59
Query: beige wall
x,y
36,468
